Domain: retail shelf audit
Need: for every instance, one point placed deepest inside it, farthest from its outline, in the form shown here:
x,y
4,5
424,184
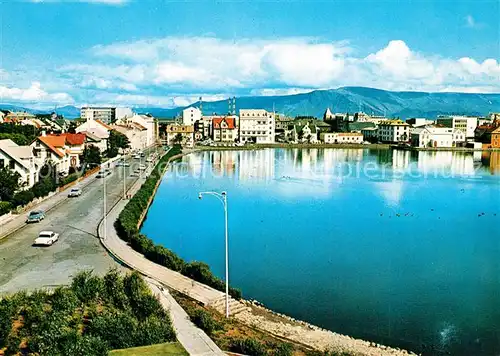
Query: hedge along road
x,y
23,266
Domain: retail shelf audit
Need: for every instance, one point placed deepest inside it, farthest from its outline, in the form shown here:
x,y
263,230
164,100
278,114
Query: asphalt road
x,y
23,266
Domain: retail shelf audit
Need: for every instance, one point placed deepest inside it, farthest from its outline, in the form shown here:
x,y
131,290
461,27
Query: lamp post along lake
x,y
395,247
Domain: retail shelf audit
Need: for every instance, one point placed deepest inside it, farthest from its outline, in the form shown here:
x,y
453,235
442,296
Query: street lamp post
x,y
104,200
223,198
124,180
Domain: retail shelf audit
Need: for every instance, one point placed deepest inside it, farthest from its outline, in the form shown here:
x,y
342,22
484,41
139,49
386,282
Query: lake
x,y
397,247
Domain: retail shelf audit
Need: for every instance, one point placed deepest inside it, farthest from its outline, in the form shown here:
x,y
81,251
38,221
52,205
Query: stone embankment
x,y
255,315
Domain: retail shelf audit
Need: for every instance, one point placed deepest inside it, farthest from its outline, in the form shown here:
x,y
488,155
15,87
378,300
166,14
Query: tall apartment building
x,y
466,124
256,126
105,114
190,116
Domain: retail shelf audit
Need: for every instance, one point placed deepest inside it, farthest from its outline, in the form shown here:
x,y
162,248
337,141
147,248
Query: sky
x,y
168,53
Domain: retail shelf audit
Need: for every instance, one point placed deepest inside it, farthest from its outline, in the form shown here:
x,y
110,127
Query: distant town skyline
x,y
167,53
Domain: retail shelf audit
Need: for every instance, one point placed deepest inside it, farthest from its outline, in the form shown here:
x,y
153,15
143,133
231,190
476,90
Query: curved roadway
x,y
23,266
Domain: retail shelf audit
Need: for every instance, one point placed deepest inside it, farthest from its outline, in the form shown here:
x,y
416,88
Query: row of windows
x,y
256,132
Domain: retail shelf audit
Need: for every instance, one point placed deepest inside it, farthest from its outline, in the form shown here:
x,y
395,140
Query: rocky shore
x,y
309,335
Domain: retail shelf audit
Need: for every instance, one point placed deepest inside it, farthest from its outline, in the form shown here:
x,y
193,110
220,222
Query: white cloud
x,y
172,100
208,63
172,69
34,93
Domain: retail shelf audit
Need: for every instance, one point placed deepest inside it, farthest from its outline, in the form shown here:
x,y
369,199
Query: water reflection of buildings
x,y
445,162
491,160
223,163
256,165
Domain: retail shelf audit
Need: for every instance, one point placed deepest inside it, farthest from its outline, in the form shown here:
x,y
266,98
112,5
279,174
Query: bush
x,y
154,331
87,287
5,207
43,187
22,198
127,227
116,329
69,179
248,346
205,321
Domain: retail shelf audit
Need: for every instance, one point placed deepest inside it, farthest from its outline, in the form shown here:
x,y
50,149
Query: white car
x,y
142,167
75,192
149,159
46,238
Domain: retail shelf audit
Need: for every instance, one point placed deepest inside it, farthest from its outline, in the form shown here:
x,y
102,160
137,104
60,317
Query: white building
x,y
224,129
466,124
393,131
105,114
432,136
62,150
98,129
19,159
150,124
136,134
190,116
341,137
256,126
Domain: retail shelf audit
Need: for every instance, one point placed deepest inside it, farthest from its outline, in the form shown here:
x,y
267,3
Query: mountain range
x,y
346,99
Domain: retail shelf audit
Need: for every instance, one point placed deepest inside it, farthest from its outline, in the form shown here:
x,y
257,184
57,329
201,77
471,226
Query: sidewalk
x,y
194,340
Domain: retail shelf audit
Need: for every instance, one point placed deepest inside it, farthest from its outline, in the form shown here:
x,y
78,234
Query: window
x,y
2,163
12,164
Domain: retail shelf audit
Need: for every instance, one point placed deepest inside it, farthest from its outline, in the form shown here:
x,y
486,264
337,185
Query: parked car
x,y
103,173
46,238
35,216
142,167
149,159
75,192
137,156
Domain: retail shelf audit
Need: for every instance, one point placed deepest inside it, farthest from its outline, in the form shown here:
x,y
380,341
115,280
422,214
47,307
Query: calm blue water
x,y
396,247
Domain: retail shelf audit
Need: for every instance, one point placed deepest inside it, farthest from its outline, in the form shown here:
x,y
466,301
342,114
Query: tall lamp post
x,y
223,198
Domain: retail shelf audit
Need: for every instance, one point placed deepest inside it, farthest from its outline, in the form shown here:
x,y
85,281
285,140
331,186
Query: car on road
x,y
149,159
75,192
142,167
103,173
46,238
123,164
35,216
137,156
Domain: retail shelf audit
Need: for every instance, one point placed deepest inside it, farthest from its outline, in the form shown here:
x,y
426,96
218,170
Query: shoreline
x,y
373,146
257,315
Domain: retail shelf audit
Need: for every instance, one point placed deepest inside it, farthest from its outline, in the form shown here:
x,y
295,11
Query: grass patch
x,y
173,348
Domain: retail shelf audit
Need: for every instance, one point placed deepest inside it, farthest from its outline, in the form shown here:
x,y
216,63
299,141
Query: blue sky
x,y
167,53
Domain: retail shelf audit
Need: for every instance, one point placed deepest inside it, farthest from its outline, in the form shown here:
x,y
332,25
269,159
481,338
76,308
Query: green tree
x,y
10,183
116,141
91,156
72,127
178,138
